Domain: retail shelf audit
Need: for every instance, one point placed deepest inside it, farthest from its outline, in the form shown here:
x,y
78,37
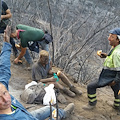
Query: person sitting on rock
x,y
42,68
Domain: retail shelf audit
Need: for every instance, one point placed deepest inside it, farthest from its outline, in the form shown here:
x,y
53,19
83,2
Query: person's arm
x,y
37,76
51,79
101,54
7,16
22,53
7,11
50,72
116,61
5,73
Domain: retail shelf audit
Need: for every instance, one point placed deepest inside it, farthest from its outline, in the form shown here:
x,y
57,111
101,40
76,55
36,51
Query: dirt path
x,y
21,76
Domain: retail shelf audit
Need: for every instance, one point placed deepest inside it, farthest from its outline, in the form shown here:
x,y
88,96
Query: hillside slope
x,y
21,76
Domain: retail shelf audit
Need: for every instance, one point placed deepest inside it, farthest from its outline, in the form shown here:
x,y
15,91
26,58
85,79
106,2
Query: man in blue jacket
x,y
10,108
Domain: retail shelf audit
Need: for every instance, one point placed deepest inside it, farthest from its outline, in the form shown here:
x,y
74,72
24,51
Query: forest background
x,y
79,28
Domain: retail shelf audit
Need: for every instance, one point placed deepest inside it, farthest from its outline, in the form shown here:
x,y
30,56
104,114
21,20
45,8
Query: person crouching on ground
x,y
27,35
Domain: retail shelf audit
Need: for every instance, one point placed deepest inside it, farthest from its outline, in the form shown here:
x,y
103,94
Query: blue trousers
x,y
44,112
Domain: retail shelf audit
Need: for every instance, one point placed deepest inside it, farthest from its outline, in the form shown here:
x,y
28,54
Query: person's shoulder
x,y
117,52
35,65
118,46
117,49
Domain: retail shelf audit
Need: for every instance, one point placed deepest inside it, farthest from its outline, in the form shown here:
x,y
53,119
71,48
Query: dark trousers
x,y
105,78
11,41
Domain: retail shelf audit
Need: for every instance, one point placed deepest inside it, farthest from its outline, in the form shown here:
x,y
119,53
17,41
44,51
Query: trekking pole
x,y
50,110
56,93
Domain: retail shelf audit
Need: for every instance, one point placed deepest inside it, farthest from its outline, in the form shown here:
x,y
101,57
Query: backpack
x,y
34,94
47,37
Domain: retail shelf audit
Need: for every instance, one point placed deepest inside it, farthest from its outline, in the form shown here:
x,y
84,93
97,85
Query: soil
x,y
20,76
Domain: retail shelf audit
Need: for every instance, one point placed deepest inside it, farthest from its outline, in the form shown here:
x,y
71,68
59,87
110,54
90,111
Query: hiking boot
x,y
61,98
69,93
69,109
29,68
74,89
88,107
111,103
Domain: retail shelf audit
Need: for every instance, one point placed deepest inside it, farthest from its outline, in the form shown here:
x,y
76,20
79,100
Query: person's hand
x,y
103,55
112,83
18,46
7,33
16,60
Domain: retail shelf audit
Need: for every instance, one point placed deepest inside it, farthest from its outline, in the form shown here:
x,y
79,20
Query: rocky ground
x,y
20,77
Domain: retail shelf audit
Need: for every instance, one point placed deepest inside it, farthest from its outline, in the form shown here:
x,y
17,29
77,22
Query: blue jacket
x,y
5,74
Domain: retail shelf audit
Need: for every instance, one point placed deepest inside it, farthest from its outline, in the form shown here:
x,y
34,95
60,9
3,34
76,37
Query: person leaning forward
x,y
42,68
10,108
110,74
26,34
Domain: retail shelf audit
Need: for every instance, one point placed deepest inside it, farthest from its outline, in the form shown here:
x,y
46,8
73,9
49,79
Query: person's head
x,y
114,37
44,57
13,32
5,98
